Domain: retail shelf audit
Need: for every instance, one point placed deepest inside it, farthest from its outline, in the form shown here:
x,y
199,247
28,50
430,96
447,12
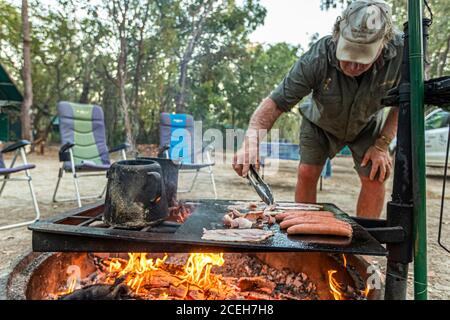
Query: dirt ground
x,y
342,189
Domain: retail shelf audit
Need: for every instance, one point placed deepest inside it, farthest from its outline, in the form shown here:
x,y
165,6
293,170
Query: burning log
x,y
201,276
116,291
256,284
181,291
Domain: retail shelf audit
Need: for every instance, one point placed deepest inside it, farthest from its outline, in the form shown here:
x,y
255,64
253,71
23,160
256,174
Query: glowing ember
x,y
196,276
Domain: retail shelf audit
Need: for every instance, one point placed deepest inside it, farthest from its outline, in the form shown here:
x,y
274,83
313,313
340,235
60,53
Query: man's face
x,y
354,69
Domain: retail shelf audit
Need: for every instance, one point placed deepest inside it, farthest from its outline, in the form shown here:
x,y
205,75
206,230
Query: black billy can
x,y
135,196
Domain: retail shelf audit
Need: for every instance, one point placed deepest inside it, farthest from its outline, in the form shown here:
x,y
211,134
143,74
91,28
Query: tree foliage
x,y
161,55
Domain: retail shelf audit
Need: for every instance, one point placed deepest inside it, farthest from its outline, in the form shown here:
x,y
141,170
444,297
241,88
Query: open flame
x,y
138,270
198,269
337,290
73,280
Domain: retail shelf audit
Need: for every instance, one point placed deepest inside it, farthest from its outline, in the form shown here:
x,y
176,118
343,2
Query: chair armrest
x,y
121,147
15,146
63,151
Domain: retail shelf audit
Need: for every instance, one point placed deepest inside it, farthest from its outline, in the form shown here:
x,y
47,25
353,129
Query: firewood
x,y
180,291
116,291
256,284
257,296
196,295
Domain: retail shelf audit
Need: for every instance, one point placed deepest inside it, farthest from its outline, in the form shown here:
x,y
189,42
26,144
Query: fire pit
x,y
284,276
183,265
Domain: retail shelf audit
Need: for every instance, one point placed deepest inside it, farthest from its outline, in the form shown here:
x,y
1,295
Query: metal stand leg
x,y
396,281
30,184
77,189
4,184
60,175
103,192
193,181
75,179
33,197
211,175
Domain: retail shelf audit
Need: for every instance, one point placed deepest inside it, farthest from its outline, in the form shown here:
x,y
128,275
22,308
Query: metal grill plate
x,y
72,232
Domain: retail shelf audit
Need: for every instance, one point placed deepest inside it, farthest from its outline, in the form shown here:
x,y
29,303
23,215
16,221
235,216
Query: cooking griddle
x,y
74,231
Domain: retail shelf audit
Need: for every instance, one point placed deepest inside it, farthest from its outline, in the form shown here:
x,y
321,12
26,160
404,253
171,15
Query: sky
x,y
294,21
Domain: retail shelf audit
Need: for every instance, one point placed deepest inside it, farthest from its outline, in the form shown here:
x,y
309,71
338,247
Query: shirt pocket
x,y
330,106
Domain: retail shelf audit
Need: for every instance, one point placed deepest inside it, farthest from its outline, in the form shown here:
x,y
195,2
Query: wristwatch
x,y
382,143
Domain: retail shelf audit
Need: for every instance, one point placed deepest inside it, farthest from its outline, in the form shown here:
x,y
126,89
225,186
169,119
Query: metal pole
x,y
399,210
416,58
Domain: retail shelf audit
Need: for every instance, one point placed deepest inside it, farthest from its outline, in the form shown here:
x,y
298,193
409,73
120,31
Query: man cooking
x,y
348,73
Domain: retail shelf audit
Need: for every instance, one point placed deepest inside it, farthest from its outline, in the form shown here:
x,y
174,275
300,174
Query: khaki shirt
x,y
339,105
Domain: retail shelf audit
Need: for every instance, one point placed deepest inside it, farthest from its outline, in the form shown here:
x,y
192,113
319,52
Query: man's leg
x,y
308,176
371,198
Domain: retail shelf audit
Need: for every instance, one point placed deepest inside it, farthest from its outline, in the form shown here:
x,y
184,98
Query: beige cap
x,y
362,31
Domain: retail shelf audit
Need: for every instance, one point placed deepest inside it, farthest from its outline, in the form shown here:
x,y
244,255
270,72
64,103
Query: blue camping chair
x,y
84,152
6,172
177,142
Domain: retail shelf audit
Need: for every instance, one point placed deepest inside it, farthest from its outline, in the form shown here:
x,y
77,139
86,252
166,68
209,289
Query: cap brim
x,y
357,52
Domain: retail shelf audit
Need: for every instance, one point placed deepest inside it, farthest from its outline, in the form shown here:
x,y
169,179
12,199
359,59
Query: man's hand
x,y
247,155
261,121
381,162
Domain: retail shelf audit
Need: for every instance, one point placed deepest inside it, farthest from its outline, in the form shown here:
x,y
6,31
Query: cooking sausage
x,y
324,229
300,215
283,215
312,220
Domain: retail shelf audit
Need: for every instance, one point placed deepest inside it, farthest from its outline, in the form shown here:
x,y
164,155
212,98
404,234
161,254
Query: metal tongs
x,y
260,186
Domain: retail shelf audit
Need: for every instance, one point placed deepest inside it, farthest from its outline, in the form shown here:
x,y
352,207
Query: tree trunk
x,y
180,100
84,97
121,79
138,72
110,105
25,116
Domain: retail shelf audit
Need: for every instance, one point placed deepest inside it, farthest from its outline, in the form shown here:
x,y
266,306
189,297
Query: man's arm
x,y
389,130
378,154
265,116
261,122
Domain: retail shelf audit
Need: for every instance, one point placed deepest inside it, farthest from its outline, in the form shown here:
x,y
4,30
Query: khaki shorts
x,y
316,145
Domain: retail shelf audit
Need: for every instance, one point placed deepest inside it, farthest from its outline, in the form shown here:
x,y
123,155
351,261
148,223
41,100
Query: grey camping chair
x,y
84,152
6,176
177,143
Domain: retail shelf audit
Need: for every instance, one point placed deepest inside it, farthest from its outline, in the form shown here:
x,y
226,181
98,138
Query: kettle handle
x,y
157,176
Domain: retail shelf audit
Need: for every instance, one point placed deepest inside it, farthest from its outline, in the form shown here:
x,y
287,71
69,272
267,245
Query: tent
x,y
10,101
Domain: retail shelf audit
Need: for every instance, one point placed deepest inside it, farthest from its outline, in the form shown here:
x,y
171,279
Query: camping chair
x,y
6,172
177,141
84,152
